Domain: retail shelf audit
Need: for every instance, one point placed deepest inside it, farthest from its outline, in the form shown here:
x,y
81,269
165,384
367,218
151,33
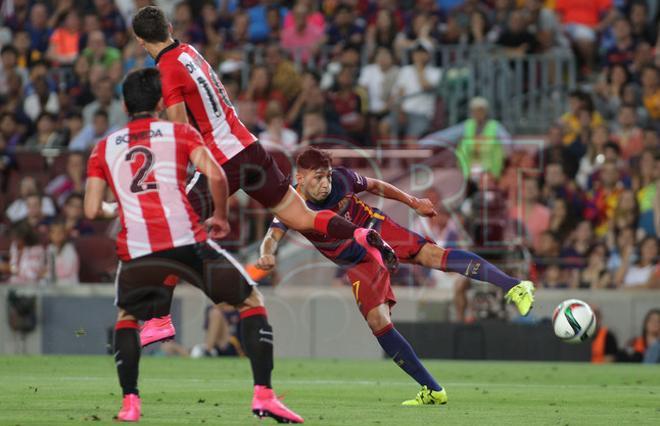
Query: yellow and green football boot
x,y
523,296
428,397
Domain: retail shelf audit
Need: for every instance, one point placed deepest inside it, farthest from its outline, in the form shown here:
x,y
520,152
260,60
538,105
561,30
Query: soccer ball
x,y
574,321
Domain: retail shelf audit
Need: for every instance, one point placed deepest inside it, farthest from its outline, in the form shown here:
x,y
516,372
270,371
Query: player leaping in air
x,y
324,187
193,93
145,165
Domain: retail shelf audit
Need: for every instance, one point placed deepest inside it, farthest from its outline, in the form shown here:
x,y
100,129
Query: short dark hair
x,y
142,90
73,196
313,158
9,48
150,24
101,113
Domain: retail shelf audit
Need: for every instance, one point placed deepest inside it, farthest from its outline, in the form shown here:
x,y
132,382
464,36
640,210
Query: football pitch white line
x,y
348,382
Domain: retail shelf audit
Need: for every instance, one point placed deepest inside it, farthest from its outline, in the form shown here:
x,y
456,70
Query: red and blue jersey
x,y
344,201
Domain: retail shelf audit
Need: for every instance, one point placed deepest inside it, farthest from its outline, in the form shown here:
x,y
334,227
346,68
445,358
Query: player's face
x,y
316,184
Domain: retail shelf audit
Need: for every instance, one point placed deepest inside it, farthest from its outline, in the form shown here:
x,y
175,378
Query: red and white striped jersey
x,y
187,77
145,166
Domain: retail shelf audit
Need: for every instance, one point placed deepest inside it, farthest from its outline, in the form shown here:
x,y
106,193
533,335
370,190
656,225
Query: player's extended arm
x,y
269,248
177,113
94,193
203,160
423,207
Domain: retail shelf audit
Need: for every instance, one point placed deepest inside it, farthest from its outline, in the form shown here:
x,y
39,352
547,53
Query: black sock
x,y
127,355
257,337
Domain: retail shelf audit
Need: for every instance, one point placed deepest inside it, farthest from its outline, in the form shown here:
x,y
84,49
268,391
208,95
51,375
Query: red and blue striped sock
x,y
398,348
473,266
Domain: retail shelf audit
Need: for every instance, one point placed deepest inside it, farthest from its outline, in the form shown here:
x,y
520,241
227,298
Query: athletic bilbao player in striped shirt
x,y
145,165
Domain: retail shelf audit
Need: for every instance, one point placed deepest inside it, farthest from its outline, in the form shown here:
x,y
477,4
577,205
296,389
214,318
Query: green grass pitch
x,y
51,390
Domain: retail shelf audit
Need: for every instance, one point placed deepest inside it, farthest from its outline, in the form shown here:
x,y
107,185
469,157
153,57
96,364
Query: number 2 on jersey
x,y
138,185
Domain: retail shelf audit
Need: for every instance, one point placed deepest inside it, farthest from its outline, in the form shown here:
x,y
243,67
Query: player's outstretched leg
x,y
403,355
258,341
126,347
519,292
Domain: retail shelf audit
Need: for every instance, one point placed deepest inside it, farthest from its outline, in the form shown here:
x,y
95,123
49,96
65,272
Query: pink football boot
x,y
372,241
266,404
157,330
130,409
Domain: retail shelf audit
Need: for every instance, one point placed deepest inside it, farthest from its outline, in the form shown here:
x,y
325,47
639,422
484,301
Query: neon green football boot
x,y
428,397
523,296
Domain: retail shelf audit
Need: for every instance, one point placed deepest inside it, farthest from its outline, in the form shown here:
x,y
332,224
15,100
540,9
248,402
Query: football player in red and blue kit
x,y
337,189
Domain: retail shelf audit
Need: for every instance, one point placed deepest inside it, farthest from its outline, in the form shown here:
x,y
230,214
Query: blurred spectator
x,y
627,132
47,135
64,44
602,201
417,37
594,157
90,134
34,214
345,28
26,255
645,185
619,242
136,57
556,153
42,100
478,30
104,92
276,134
583,20
311,98
595,275
481,142
350,103
553,277
79,86
27,55
314,128
260,91
547,252
98,52
72,180
9,130
382,32
301,39
284,76
8,66
626,213
544,25
577,247
72,216
516,40
18,210
37,27
532,217
111,22
579,103
62,264
650,77
604,347
623,51
378,80
644,273
608,90
562,222
7,163
643,29
415,88
559,188
184,27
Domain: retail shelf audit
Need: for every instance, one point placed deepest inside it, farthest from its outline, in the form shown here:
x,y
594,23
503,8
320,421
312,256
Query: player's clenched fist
x,y
424,207
218,228
266,262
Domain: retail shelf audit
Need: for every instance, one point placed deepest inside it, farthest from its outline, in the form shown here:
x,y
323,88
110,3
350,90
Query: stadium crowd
x,y
305,71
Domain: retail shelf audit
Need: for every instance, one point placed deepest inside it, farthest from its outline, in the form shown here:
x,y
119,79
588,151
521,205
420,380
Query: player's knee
x,y
377,320
122,315
254,300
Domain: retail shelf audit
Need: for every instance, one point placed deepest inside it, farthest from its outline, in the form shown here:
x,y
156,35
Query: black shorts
x,y
139,283
253,170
